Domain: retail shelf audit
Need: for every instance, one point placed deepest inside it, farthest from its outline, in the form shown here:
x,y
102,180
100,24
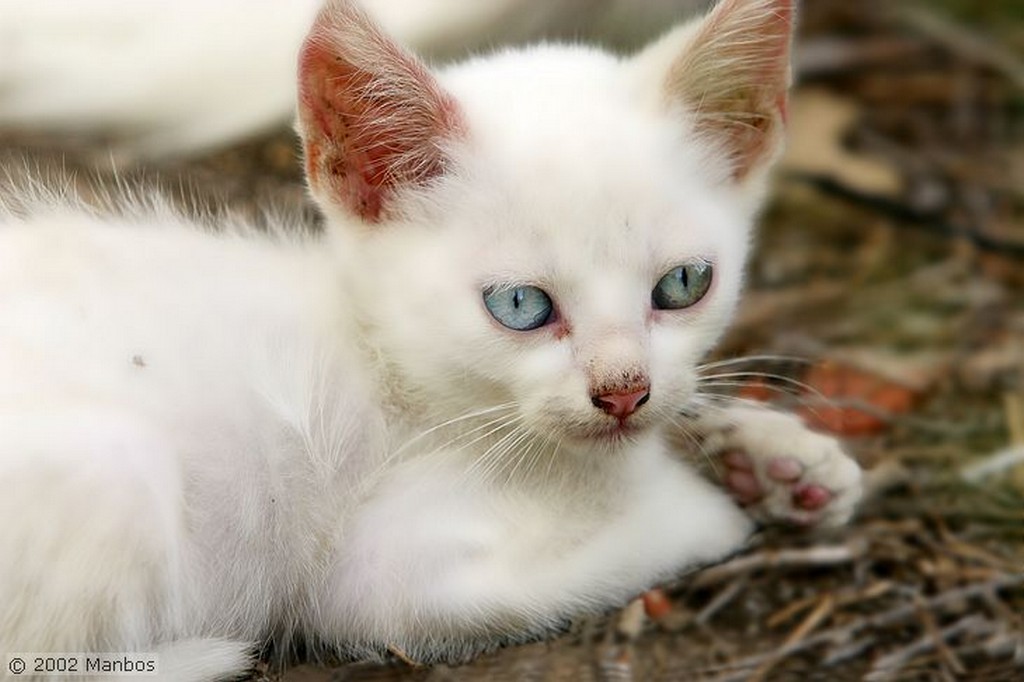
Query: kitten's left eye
x,y
520,308
683,286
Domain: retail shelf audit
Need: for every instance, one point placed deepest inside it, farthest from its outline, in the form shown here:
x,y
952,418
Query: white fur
x,y
228,436
170,78
167,77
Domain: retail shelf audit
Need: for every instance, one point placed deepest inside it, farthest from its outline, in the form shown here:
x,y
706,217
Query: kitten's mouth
x,y
613,433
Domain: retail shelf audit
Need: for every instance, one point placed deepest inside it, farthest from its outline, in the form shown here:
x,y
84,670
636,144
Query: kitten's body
x,y
224,460
173,78
226,436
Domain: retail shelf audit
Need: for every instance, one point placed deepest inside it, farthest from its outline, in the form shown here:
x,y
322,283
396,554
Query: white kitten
x,y
444,425
170,78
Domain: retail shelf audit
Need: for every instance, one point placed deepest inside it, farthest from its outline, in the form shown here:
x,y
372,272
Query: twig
x,y
830,55
886,667
932,630
953,545
826,555
947,598
398,653
632,620
1004,612
825,607
841,635
616,665
994,464
721,600
906,215
964,43
845,652
842,598
1000,644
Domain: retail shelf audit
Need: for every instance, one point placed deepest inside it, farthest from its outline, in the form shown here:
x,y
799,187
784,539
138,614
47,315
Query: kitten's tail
x,y
203,660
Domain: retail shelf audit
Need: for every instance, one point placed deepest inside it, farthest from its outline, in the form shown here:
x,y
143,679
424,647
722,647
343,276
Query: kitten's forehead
x,y
586,167
562,110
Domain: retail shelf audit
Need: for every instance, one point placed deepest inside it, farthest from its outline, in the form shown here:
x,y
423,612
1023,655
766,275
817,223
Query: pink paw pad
x,y
744,486
741,479
748,488
785,470
811,497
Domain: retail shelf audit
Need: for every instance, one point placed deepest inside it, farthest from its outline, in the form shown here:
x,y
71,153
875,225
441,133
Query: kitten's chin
x,y
611,436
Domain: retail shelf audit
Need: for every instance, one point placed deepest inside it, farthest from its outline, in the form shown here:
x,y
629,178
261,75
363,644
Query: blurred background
x,y
886,305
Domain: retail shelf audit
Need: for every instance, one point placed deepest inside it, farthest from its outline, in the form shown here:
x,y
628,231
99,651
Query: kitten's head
x,y
553,229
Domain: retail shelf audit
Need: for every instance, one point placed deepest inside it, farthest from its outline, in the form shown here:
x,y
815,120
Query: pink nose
x,y
621,405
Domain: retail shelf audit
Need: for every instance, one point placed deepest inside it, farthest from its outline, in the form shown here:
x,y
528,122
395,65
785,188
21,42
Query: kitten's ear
x,y
373,120
731,71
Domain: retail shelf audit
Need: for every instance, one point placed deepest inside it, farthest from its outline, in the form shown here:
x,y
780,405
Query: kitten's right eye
x,y
682,287
522,308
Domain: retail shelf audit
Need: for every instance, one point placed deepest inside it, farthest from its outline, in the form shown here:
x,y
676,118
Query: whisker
x,y
535,453
543,443
494,426
502,422
685,430
722,401
807,388
531,439
783,390
552,459
454,420
502,459
490,458
760,375
755,358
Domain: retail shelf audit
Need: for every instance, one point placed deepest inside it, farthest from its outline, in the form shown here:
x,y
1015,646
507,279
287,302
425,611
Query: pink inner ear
x,y
736,75
370,127
777,69
770,55
783,105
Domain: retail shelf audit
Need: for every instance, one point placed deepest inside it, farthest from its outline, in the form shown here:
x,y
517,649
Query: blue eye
x,y
682,286
519,308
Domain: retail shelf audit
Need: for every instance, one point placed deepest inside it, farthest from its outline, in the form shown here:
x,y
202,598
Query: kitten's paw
x,y
780,470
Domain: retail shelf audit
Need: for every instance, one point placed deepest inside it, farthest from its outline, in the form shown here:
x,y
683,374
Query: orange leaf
x,y
757,389
842,383
657,605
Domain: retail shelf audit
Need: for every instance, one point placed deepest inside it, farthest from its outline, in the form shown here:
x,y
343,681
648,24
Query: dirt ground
x,y
886,304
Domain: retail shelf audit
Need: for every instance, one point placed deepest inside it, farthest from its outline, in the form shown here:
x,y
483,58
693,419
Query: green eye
x,y
682,286
520,308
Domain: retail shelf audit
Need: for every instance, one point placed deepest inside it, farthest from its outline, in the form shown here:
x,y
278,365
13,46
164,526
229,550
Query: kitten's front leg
x,y
444,567
778,468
